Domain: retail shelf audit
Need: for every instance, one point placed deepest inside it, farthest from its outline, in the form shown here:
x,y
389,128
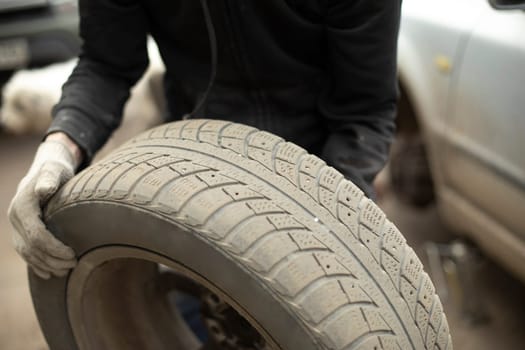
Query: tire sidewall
x,y
89,225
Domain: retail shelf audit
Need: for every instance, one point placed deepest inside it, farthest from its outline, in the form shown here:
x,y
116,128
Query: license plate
x,y
14,53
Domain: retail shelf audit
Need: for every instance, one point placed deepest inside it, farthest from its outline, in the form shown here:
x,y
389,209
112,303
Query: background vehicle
x,y
462,68
35,33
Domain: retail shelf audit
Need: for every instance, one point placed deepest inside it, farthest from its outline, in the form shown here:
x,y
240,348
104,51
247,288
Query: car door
x,y
486,157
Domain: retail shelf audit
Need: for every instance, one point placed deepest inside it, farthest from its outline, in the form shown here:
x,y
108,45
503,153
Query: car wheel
x,y
410,177
303,259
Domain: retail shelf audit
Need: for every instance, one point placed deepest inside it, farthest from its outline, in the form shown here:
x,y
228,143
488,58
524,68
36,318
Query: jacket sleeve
x,y
113,57
359,104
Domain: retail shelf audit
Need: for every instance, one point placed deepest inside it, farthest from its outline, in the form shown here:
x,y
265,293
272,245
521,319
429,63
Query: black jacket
x,y
320,73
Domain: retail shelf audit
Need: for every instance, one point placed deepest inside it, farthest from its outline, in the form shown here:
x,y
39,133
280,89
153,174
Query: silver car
x,y
462,75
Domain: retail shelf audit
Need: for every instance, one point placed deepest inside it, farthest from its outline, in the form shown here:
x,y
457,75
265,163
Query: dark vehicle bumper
x,y
38,36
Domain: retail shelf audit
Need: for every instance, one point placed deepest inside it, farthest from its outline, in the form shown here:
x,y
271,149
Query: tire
x,y
291,245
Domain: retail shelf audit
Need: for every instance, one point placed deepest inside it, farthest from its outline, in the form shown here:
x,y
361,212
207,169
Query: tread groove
x,y
257,243
342,309
354,345
244,200
295,255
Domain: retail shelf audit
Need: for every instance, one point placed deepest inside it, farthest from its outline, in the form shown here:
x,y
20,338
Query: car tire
x,y
292,246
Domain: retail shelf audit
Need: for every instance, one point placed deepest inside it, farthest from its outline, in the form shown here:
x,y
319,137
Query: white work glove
x,y
54,165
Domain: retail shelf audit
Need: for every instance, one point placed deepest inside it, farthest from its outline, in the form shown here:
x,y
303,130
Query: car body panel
x,y
463,66
487,128
425,49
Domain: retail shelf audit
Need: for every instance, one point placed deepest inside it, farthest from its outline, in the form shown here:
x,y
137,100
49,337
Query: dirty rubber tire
x,y
297,248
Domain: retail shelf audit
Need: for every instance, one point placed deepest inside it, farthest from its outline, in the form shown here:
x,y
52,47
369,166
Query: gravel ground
x,y
500,296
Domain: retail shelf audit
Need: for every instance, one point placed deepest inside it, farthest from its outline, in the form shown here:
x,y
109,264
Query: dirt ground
x,y
500,296
19,328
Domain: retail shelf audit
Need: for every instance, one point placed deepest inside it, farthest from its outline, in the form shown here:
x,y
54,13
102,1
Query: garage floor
x,y
500,296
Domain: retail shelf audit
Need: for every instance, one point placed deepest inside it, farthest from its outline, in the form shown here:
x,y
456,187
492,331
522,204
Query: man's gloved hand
x,y
55,163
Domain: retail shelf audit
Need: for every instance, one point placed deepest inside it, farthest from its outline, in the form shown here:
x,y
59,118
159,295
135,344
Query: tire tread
x,y
281,249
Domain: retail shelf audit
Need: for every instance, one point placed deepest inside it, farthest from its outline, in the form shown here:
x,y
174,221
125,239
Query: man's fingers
x,y
25,215
55,264
37,236
46,242
50,177
37,260
61,273
52,264
45,187
40,273
34,242
47,181
52,167
36,263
